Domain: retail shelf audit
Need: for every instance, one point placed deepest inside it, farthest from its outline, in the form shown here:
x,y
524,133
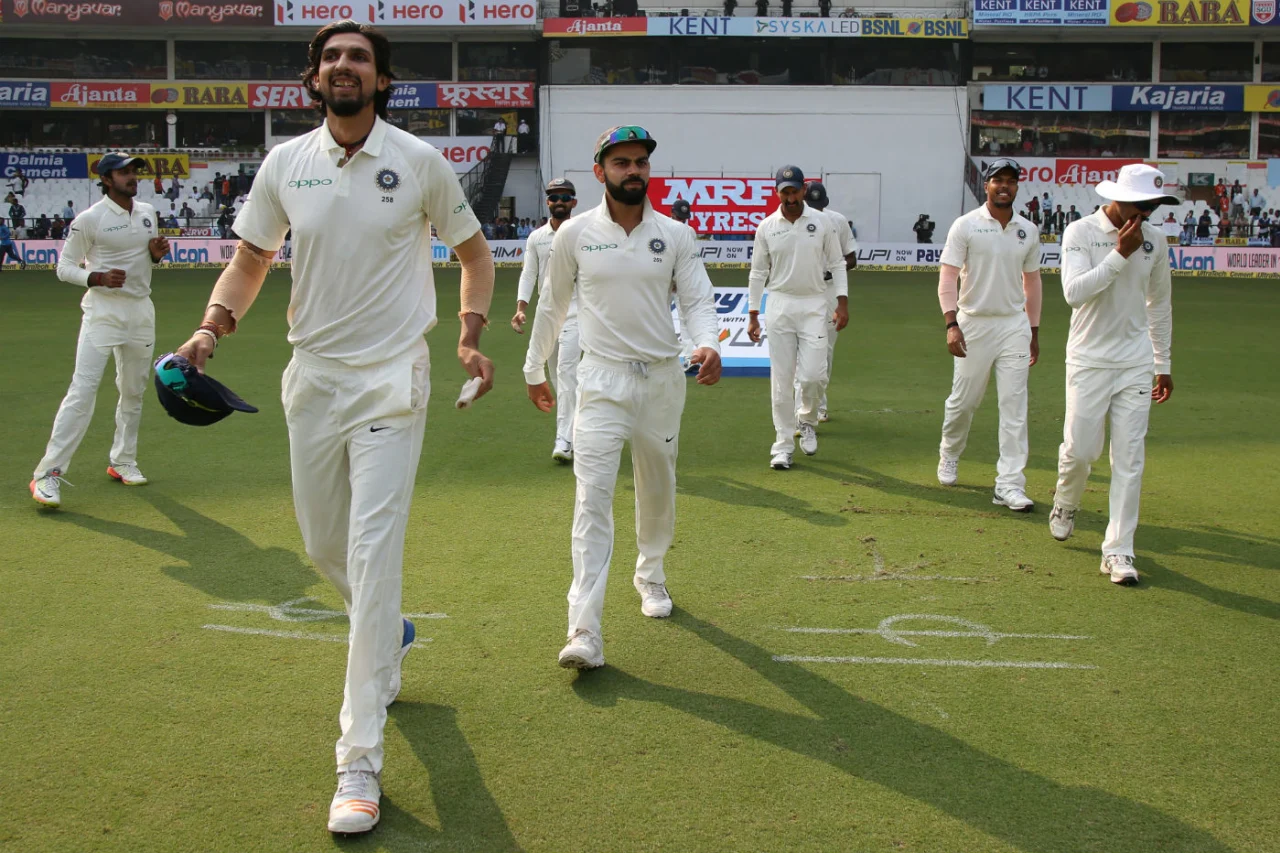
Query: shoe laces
x,y
1062,513
950,465
354,783
1124,560
56,476
656,590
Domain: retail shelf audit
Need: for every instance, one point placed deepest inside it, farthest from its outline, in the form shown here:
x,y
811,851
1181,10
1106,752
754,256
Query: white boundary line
x,y
989,637
293,635
890,577
290,612
1013,664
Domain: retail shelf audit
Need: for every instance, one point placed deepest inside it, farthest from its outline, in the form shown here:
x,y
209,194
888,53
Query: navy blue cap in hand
x,y
192,397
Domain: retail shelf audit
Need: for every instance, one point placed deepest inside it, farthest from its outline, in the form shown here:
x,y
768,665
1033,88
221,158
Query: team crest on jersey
x,y
657,246
812,227
1022,235
388,180
146,223
1147,247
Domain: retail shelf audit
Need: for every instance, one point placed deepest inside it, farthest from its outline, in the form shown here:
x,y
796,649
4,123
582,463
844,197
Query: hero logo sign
x,y
283,96
719,205
462,152
395,13
311,11
495,12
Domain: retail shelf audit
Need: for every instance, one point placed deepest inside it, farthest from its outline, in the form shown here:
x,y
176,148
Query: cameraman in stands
x,y
924,229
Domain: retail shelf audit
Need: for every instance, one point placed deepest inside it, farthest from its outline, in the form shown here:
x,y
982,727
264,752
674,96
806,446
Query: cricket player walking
x,y
816,197
624,257
991,294
561,200
795,247
360,197
109,252
1116,278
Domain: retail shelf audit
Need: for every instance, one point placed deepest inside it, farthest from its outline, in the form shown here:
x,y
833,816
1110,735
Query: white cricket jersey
x,y
992,260
793,257
533,273
107,237
363,290
844,232
624,290
1122,313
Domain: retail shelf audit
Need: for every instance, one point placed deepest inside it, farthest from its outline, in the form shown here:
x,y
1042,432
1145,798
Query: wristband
x,y
952,323
209,332
213,328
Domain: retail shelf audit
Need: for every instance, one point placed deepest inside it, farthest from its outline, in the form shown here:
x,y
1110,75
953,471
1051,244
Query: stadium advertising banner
x,y
739,355
167,165
15,93
462,152
200,96
720,205
45,166
1264,13
279,96
391,13
1162,97
484,95
1258,99
1179,13
1041,13
934,28
200,13
107,96
1047,97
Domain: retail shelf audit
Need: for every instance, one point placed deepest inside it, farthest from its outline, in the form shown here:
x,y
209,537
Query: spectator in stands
x,y
68,213
1256,203
158,183
1236,188
1224,204
1221,189
824,8
1237,201
729,6
1033,209
924,229
175,189
17,213
226,191
1224,227
489,231
224,222
58,228
1059,221
18,183
500,135
40,228
172,222
786,8
187,213
7,249
524,138
1046,205
1189,228
206,194
1203,226
762,8
1073,214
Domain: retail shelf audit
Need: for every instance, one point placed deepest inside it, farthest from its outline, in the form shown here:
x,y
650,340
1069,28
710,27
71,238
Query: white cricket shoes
x,y
1014,499
808,439
947,470
407,635
127,474
47,490
1120,568
563,452
823,417
355,805
584,650
655,601
780,461
1062,522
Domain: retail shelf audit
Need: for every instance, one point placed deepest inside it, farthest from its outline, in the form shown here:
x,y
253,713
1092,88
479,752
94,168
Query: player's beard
x,y
127,188
793,207
559,211
624,195
345,108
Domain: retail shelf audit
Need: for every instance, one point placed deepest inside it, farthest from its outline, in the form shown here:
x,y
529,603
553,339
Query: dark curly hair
x,y
381,60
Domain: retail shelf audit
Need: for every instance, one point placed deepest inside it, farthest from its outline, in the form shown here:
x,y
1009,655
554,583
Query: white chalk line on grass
x,y
998,664
290,612
294,635
888,631
890,576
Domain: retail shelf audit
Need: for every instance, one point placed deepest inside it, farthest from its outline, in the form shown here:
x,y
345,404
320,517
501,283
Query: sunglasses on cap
x,y
625,133
560,197
997,166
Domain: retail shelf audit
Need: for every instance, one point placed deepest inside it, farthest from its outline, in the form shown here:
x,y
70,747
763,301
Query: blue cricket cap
x,y
116,160
191,397
790,176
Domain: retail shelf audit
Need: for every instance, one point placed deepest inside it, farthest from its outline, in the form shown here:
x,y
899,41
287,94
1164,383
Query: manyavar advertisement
x,y
1180,13
195,13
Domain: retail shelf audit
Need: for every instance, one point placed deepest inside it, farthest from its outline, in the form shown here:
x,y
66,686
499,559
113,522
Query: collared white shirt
x,y
844,233
793,257
363,290
1122,313
624,286
992,259
107,237
533,272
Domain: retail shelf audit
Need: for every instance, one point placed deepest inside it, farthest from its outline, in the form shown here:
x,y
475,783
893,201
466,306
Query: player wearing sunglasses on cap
x,y
1116,278
561,200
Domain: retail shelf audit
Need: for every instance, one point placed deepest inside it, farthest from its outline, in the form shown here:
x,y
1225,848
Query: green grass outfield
x,y
127,726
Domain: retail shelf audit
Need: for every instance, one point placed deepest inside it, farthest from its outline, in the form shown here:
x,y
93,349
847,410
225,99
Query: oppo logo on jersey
x,y
600,248
310,182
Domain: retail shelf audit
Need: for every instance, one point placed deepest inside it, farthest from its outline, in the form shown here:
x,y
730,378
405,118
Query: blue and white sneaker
x,y
406,643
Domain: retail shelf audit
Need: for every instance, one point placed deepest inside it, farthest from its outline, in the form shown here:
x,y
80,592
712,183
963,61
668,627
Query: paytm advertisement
x,y
739,355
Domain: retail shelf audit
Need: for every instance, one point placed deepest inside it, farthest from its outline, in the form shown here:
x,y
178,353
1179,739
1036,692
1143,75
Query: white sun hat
x,y
1137,182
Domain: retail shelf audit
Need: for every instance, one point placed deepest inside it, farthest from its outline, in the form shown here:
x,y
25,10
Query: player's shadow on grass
x,y
469,816
869,742
737,493
960,496
217,559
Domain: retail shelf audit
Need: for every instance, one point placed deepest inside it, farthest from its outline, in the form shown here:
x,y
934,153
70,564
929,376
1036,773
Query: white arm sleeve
x,y
1080,280
1160,312
528,273
695,294
562,273
74,250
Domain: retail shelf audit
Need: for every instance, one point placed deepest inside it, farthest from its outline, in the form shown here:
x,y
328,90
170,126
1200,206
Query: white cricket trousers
x,y
1005,343
798,328
114,325
1093,394
568,354
619,402
832,335
355,436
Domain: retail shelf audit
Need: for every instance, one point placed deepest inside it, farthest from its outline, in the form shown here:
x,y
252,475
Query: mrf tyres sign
x,y
719,205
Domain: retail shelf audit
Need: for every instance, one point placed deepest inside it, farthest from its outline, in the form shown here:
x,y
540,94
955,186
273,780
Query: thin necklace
x,y
351,149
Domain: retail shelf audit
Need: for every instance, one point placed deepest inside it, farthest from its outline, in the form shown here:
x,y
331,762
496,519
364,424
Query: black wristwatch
x,y
952,323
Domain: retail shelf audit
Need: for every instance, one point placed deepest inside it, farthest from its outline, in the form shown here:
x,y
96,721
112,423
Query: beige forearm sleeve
x,y
477,285
240,282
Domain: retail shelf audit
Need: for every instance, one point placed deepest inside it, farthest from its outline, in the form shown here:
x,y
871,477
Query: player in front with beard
x,y
624,258
109,252
561,200
360,197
